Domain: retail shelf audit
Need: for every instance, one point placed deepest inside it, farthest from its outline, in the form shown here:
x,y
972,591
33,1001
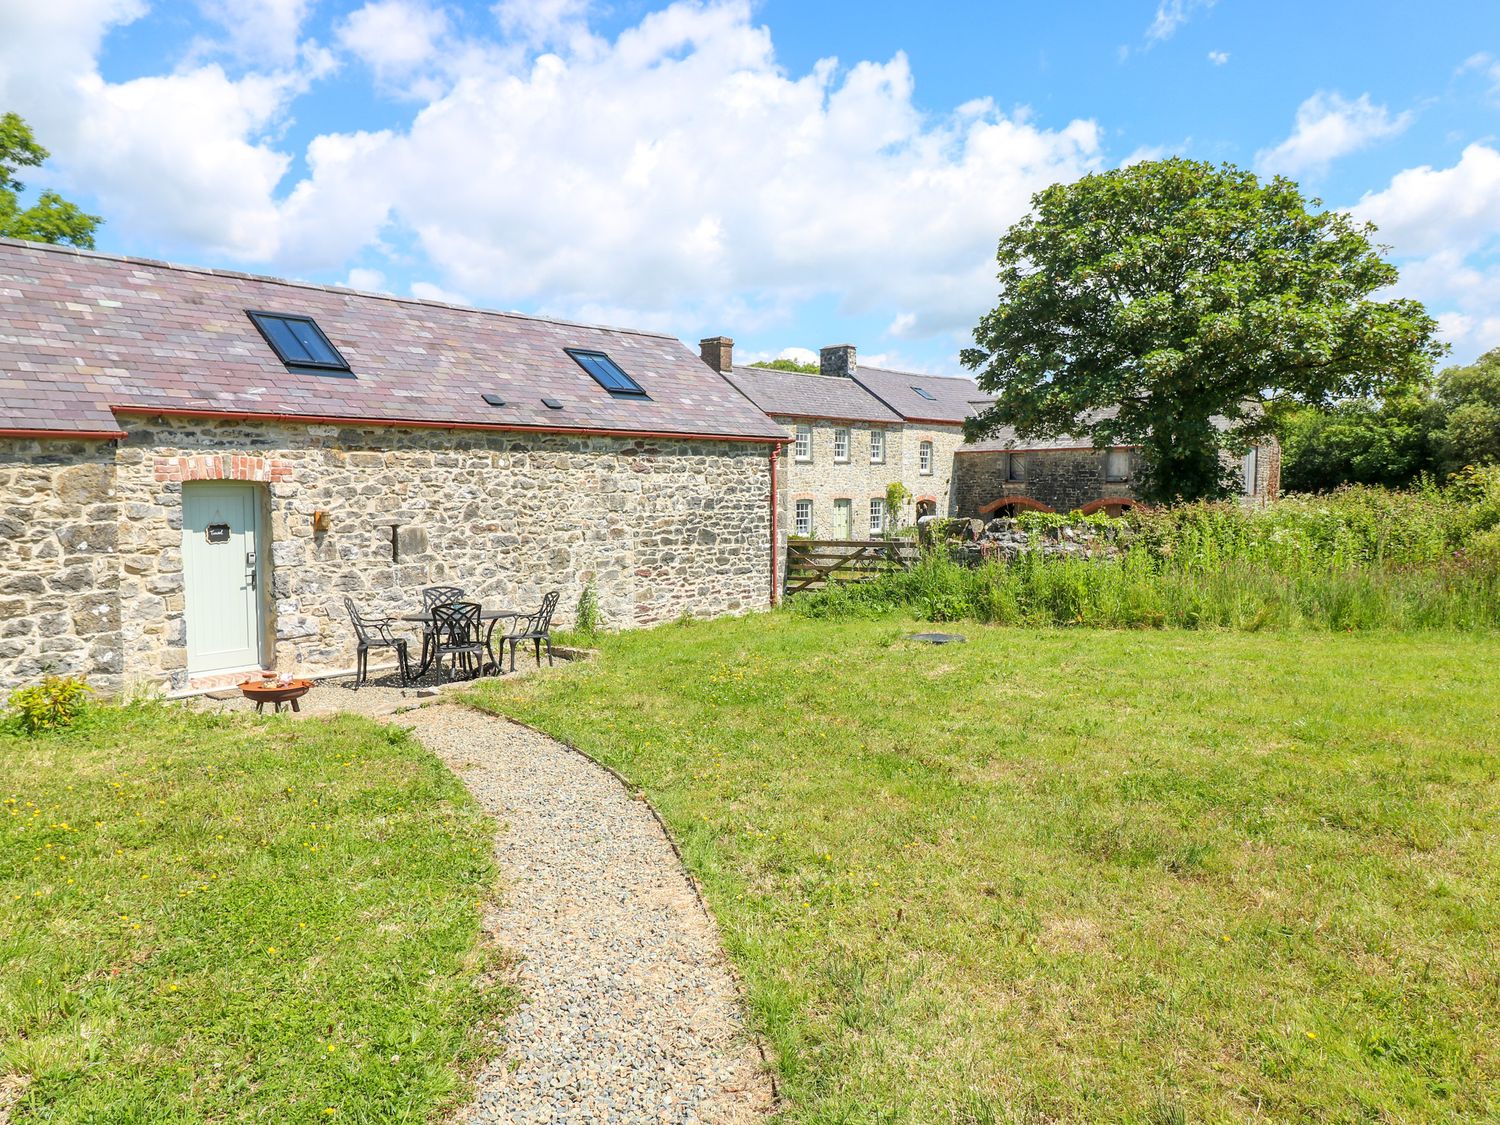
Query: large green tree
x,y
51,218
1165,304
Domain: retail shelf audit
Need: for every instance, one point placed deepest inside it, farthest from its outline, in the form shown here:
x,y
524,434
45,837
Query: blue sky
x,y
787,173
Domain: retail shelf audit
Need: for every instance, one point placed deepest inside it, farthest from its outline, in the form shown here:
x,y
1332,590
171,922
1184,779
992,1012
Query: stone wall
x,y
662,527
1067,479
59,577
1062,479
824,480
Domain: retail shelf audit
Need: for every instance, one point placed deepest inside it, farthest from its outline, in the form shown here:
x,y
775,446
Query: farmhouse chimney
x,y
718,353
837,359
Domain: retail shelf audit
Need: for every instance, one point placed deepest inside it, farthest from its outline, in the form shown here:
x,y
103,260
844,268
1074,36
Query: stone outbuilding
x,y
197,466
1004,475
852,431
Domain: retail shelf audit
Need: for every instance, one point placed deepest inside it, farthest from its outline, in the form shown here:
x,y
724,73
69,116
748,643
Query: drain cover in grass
x,y
939,638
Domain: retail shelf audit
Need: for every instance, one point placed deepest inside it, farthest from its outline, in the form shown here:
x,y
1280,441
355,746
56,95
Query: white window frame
x,y
924,458
877,515
802,449
1113,459
802,518
841,445
877,447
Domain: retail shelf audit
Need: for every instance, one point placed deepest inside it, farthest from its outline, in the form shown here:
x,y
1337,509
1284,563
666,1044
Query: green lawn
x,y
1062,875
209,918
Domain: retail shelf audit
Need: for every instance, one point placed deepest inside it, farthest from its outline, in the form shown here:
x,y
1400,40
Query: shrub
x,y
55,702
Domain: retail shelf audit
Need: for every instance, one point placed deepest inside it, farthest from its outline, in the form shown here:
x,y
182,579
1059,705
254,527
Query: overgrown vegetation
x,y
212,919
588,622
1059,876
1362,558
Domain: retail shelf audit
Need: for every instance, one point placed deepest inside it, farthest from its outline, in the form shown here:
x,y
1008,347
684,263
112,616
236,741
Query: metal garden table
x,y
493,616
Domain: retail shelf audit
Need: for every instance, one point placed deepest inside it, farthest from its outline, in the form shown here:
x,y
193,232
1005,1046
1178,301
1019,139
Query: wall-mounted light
x,y
322,521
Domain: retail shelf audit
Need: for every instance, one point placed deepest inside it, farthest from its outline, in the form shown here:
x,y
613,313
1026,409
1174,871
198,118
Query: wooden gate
x,y
813,563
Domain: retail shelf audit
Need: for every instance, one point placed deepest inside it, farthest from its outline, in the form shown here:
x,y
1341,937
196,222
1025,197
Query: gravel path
x,y
631,1014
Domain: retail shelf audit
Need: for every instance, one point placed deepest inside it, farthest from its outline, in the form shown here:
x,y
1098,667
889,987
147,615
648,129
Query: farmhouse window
x,y
841,445
804,443
924,458
877,516
1117,465
877,447
804,517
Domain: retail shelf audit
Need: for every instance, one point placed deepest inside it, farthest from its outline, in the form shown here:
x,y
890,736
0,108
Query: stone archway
x,y
1110,505
1012,505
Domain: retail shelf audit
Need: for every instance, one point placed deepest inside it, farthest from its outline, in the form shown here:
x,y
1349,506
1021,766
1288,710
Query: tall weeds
x,y
1363,558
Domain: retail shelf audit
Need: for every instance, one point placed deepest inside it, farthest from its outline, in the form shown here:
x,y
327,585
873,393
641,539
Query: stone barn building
x,y
197,467
1004,475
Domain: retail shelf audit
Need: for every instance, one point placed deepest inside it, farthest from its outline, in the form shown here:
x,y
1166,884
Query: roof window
x,y
925,393
299,343
606,372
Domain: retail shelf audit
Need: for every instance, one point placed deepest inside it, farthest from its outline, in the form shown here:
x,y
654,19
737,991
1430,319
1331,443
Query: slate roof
x,y
83,335
796,395
953,398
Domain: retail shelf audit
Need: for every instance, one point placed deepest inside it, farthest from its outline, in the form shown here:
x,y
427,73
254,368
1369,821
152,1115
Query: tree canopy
x,y
1166,304
788,365
51,218
1435,429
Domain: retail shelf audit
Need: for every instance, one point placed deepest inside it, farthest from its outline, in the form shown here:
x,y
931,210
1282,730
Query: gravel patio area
x,y
631,1013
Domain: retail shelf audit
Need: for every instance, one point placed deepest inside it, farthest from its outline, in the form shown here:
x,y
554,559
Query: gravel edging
x,y
632,1012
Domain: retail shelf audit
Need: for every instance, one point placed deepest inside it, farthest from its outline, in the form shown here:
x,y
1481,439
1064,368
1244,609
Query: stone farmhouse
x,y
853,430
197,466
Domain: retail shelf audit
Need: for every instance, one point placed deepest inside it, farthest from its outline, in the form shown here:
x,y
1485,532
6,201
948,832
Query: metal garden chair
x,y
456,634
373,632
537,628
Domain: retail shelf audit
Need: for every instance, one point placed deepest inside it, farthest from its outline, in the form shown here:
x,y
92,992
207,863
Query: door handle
x,y
250,567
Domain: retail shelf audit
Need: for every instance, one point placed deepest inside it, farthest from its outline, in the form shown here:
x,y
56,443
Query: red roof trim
x,y
1044,449
397,423
64,435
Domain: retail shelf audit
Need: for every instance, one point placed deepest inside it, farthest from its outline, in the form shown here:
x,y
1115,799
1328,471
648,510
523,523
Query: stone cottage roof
x,y
953,398
793,394
84,336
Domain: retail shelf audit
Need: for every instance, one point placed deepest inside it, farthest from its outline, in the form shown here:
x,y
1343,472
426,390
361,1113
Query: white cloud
x,y
678,175
260,30
544,23
393,37
427,291
366,280
1172,14
1327,127
1426,210
1443,226
1218,58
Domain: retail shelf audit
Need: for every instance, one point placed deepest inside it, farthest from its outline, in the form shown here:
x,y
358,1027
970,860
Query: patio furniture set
x,y
456,632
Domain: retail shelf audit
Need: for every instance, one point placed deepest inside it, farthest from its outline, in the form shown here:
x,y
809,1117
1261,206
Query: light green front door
x,y
843,519
221,572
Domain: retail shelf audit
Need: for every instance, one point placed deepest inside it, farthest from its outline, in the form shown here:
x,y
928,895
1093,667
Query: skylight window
x,y
299,343
925,393
606,372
